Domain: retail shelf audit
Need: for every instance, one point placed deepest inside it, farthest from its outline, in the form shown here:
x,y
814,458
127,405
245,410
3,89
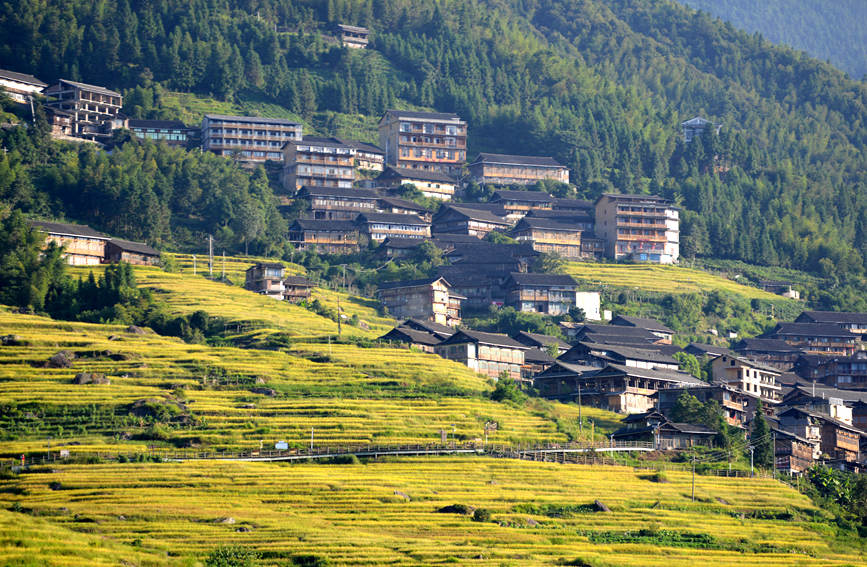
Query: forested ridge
x,y
603,86
832,31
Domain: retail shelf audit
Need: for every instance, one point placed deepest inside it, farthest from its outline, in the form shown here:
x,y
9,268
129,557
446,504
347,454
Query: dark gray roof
x,y
823,417
67,229
616,331
405,334
429,326
319,141
641,323
572,204
297,281
560,216
522,278
157,124
764,345
391,218
538,356
820,391
419,174
839,317
317,191
83,86
696,121
403,204
413,114
484,252
411,283
810,330
363,146
324,225
132,246
670,375
546,223
700,349
537,340
655,199
251,119
752,363
496,339
506,159
398,242
356,29
531,196
473,214
21,78
632,353
693,428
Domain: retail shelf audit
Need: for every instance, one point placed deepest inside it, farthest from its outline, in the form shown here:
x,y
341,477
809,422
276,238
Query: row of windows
x,y
313,170
451,130
326,150
234,142
378,227
428,140
247,132
160,136
269,155
640,232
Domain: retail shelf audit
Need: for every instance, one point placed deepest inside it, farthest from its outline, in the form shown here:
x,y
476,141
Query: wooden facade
x,y
487,353
329,237
465,220
334,203
248,139
82,246
817,338
354,37
379,226
266,278
432,184
20,87
315,161
501,169
137,253
645,228
432,141
550,236
296,289
551,294
428,300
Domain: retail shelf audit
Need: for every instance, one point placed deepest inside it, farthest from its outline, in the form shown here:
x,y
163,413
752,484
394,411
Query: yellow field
x,y
387,513
350,395
658,278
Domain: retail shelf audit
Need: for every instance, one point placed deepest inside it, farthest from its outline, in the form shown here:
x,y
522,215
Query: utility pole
x,y
693,476
210,256
580,420
751,460
311,438
194,264
339,326
223,277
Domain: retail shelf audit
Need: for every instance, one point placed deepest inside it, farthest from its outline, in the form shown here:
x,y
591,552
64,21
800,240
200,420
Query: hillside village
x,y
807,377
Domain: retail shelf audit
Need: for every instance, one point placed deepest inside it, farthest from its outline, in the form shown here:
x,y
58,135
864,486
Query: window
x,y
405,127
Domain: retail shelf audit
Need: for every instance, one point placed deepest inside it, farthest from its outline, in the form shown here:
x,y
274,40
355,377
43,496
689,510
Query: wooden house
x,y
837,440
431,183
432,141
20,87
665,434
138,253
324,236
368,157
816,338
337,203
465,220
792,454
82,246
551,294
773,352
645,228
171,132
601,355
502,169
442,332
544,342
658,329
398,206
427,299
296,288
266,278
354,37
379,226
421,340
523,201
550,236
853,322
490,354
315,161
536,360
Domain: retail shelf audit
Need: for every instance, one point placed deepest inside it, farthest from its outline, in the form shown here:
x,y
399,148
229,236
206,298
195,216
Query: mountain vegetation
x,y
830,31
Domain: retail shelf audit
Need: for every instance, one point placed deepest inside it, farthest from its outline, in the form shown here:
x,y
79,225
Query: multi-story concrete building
x,y
248,139
501,169
91,107
752,377
19,86
368,158
430,299
172,132
314,161
82,246
639,227
433,141
354,37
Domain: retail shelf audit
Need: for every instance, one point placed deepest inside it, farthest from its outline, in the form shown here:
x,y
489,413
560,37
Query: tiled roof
x,y
641,323
411,283
251,119
532,196
132,246
83,86
324,225
506,159
419,174
391,218
522,278
406,334
535,339
670,375
474,214
496,339
412,114
429,326
21,78
810,330
833,317
67,229
161,124
318,191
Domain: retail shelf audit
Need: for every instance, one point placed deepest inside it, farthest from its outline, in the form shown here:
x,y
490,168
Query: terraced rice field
x,y
658,278
235,267
389,513
350,395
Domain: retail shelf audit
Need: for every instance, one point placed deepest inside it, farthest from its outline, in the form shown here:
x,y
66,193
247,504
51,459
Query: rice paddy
x,y
396,512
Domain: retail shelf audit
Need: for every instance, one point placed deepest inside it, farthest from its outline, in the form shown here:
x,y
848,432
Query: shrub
x,y
231,556
310,560
507,389
482,515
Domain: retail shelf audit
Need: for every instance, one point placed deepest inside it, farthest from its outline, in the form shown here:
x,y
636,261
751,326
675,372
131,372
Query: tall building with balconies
x,y
645,228
89,106
434,141
314,161
248,139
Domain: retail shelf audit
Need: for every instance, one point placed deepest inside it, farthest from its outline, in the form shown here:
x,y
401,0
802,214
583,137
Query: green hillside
x,y
826,30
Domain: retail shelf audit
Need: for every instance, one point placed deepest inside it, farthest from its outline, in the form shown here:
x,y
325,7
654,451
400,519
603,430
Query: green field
x,y
659,278
388,513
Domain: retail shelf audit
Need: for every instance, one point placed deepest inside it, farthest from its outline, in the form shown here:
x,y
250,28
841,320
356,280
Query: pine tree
x,y
761,439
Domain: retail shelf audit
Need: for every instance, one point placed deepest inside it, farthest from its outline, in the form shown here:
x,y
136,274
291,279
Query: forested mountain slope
x,y
832,31
601,85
